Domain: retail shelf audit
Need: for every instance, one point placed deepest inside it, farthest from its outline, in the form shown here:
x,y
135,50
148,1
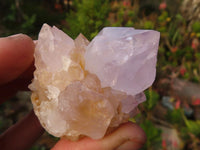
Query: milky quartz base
x,y
83,89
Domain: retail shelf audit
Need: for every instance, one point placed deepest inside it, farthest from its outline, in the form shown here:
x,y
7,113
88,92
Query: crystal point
x,y
124,58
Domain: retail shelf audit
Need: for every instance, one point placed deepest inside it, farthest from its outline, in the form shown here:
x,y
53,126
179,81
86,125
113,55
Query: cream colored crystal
x,y
69,100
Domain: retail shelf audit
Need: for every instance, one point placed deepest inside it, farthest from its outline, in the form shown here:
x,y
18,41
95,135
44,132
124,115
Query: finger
x,y
22,135
21,83
10,89
16,55
127,137
83,144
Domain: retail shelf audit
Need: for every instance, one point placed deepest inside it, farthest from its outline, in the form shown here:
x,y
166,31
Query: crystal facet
x,y
85,89
124,58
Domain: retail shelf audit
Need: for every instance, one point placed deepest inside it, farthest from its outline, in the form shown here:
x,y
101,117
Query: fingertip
x,y
16,55
128,136
60,144
135,132
82,144
137,137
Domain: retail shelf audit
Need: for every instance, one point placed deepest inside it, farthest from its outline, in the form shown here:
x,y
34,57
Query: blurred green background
x,y
171,114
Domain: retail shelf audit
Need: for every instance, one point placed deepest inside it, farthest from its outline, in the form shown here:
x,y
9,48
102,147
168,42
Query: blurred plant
x,y
124,13
154,140
191,133
148,25
152,99
175,49
38,148
18,17
88,17
193,126
187,128
163,5
28,23
175,117
196,27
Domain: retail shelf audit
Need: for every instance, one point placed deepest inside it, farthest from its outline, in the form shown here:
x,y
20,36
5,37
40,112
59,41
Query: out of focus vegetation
x,y
178,58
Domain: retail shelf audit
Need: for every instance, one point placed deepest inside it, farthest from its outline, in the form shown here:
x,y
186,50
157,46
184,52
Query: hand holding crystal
x,y
16,59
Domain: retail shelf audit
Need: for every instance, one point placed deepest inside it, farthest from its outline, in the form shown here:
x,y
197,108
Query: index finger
x,y
16,55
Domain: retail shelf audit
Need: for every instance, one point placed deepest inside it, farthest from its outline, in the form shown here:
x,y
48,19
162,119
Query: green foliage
x,y
28,24
163,17
153,134
27,16
129,23
88,18
148,25
38,148
175,117
184,133
197,55
12,14
174,33
196,27
152,98
193,126
124,16
176,46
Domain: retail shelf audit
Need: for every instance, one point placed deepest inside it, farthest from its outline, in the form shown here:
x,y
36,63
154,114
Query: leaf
x,y
193,126
88,17
148,25
196,27
153,134
163,16
175,116
152,99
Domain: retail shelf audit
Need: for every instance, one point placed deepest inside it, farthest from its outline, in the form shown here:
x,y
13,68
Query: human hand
x,y
128,136
16,69
16,59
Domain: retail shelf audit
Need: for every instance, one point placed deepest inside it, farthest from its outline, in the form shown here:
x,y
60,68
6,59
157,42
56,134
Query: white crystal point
x,y
124,58
52,44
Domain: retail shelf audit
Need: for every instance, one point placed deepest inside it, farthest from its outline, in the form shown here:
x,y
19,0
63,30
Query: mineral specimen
x,y
84,89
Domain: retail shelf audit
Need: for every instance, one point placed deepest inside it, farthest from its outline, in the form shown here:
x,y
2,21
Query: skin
x,y
16,72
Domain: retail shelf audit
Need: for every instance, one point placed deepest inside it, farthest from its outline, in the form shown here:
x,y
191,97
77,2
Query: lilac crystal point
x,y
124,58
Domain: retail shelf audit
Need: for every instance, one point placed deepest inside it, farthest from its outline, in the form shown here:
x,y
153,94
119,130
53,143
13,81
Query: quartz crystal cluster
x,y
83,88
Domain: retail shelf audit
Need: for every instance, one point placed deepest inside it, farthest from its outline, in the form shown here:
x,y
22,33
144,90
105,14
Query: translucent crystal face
x,y
124,58
83,89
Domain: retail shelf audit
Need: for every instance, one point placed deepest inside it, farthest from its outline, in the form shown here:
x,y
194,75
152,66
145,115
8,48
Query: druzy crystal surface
x,y
83,88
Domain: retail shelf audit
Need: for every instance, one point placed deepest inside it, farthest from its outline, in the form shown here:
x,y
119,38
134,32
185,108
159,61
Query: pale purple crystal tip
x,y
124,58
